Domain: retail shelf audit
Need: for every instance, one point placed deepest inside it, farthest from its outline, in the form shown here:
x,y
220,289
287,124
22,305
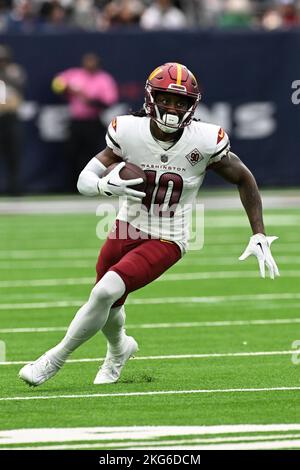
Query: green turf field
x,y
215,339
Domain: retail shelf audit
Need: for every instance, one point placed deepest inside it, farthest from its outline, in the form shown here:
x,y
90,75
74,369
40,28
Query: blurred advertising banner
x,y
249,82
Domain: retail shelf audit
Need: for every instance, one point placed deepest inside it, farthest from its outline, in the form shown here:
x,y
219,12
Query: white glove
x,y
113,184
259,246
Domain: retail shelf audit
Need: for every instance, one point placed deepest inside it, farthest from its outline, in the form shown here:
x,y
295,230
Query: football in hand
x,y
130,172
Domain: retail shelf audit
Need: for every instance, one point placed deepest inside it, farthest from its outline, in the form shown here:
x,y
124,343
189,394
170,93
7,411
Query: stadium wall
x,y
246,80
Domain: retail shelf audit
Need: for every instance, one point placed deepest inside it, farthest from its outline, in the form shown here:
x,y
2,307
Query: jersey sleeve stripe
x,y
113,141
220,151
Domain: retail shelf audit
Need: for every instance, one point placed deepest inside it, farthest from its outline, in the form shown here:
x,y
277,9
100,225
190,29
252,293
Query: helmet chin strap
x,y
170,119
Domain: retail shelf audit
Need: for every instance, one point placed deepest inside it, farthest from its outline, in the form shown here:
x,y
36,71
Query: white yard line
x,y
47,264
194,444
153,393
169,277
141,444
213,324
33,330
176,356
72,281
197,259
40,254
42,305
271,445
110,433
215,248
158,301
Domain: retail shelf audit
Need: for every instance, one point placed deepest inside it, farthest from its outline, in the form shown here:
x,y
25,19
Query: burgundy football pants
x,y
138,261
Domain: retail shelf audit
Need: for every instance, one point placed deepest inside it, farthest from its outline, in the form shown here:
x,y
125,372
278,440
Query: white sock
x,y
114,330
90,318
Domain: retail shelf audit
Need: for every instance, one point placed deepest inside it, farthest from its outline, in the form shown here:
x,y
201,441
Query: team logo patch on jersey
x,y
221,134
114,124
164,158
194,157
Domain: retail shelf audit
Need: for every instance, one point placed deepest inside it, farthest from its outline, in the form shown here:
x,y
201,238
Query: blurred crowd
x,y
87,88
27,16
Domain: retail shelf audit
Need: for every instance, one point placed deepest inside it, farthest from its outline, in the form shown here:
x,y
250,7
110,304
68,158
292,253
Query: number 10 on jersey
x,y
163,196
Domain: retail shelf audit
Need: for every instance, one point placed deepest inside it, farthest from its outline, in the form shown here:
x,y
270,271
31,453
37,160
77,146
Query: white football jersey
x,y
174,176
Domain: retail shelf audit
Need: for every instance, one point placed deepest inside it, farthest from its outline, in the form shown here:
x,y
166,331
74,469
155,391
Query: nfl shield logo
x,y
164,158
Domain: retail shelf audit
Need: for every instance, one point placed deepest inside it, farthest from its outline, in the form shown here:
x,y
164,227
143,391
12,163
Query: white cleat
x,y
39,371
111,368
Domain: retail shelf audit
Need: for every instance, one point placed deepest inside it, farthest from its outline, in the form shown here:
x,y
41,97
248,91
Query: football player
x,y
151,230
